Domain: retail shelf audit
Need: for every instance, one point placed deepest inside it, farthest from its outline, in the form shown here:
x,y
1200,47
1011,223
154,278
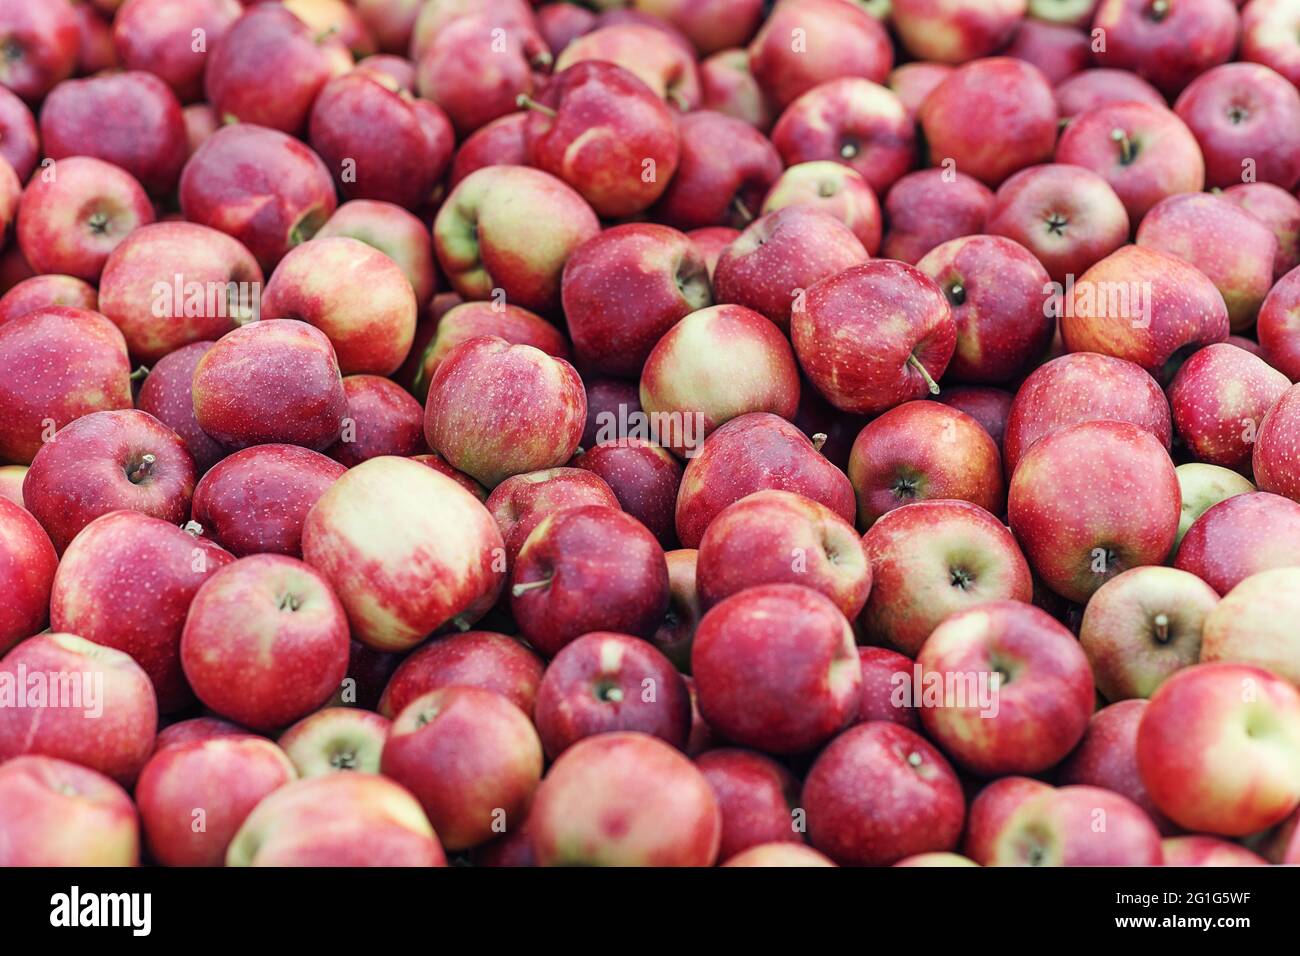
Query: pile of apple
x,y
650,432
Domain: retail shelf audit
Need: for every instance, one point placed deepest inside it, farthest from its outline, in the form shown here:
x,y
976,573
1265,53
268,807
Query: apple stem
x,y
1127,152
140,374
527,102
519,590
741,209
819,441
1162,627
915,362
675,97
142,471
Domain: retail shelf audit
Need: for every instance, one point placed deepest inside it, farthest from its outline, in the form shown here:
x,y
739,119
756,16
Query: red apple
x,y
655,57
727,85
781,854
1196,850
1058,51
990,407
1219,397
954,31
44,292
44,41
19,140
436,14
884,672
757,797
195,728
1101,87
1169,44
1277,451
1252,624
562,23
709,242
27,569
159,36
1268,36
166,395
470,320
499,143
1076,826
709,24
56,813
520,503
990,811
382,419
644,478
913,82
834,189
1280,211
336,740
1203,487
676,632
480,659
931,206
393,231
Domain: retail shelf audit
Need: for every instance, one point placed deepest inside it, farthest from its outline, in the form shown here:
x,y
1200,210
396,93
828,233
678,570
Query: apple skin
x,y
370,535
1107,758
1201,766
588,568
224,778
1283,847
486,400
510,14
838,43
1197,850
19,139
28,564
999,93
1203,487
1067,216
1280,211
336,740
1142,626
779,537
910,324
995,289
470,757
725,170
168,285
607,128
1276,459
56,813
728,86
644,478
340,819
1058,827
480,659
1241,268
880,793
990,407
881,670
562,23
834,189
393,231
676,632
116,741
398,146
757,797
126,582
69,221
470,320
132,120
1219,397
157,35
752,453
936,859
710,25
1059,52
1170,49
44,292
87,470
1268,36
1102,87
1159,158
913,82
852,121
57,365
520,503
1253,624
513,228
246,166
386,420
720,363
11,483
668,813
779,256
776,668
271,381
1185,310
782,854
604,682
256,500
955,31
195,728
624,289
235,74
439,464
46,43
166,395
657,57
925,209
1081,387
498,143
990,811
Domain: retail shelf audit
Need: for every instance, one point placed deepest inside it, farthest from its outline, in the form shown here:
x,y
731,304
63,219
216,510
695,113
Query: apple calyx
x,y
930,383
289,602
141,471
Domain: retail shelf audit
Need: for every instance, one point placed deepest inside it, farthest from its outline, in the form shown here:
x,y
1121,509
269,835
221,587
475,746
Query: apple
x,y
1219,397
1197,850
1276,459
272,381
247,166
930,206
1067,216
725,169
778,257
11,483
880,793
1218,749
712,24
44,292
1075,13
393,231
831,42
1169,44
78,701
469,320
196,728
1278,329
1244,276
436,14
405,549
336,740
883,672
727,85
56,813
74,213
1058,51
561,23
1280,211
757,797
166,396
520,503
991,117
28,564
1016,690
498,143
913,82
852,121
340,819
776,669
990,407
44,42
623,289
383,419
782,854
19,139
1252,624
1102,87
170,284
709,242
930,559
624,799
1268,36
439,464
954,31
662,64
1142,149
158,36
832,188
194,796
644,478
752,453
479,659
995,289
1076,826
201,122
1203,487
676,632
1283,846
874,336
990,810
235,75
513,228
936,859
43,388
